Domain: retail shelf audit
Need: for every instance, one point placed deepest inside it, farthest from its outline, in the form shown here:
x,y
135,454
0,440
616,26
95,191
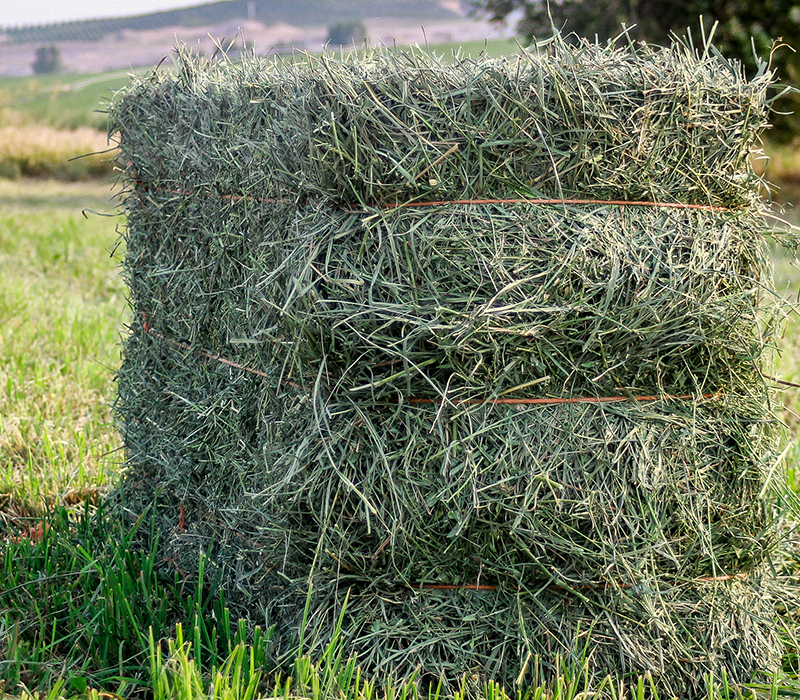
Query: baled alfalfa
x,y
367,356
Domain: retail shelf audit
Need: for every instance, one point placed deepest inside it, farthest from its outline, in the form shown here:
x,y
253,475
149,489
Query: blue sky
x,y
18,12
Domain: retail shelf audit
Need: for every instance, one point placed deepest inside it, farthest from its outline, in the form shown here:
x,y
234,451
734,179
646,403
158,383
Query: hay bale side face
x,y
472,300
316,388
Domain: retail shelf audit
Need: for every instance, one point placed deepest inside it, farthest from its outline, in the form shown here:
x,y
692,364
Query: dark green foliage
x,y
748,30
352,33
316,383
48,60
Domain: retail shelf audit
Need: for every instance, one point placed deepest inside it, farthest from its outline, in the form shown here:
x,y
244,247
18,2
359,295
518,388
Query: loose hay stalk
x,y
407,404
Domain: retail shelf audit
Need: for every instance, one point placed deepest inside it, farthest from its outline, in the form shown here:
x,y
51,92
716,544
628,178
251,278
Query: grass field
x,y
60,101
49,124
62,306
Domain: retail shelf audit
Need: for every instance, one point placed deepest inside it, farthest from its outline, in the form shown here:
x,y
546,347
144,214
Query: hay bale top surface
x,y
383,126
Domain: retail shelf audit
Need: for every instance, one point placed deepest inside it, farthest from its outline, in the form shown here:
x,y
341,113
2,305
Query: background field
x,y
308,12
60,101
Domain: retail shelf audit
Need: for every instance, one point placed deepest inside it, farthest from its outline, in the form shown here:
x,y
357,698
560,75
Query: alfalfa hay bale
x,y
370,362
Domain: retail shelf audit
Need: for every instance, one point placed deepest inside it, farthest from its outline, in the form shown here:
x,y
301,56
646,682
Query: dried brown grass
x,y
44,151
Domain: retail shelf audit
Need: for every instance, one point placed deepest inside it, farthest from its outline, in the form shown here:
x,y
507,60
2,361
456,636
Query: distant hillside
x,y
297,12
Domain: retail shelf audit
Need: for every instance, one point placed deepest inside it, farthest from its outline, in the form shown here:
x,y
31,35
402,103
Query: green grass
x,y
495,48
81,615
787,363
62,305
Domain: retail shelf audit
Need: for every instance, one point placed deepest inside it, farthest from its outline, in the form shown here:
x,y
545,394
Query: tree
x,y
771,27
48,60
351,33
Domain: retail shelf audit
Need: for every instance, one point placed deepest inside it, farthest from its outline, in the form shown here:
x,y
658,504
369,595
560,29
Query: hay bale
x,y
494,426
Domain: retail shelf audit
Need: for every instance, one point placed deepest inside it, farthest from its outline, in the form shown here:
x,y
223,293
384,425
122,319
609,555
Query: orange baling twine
x,y
585,586
474,402
579,399
209,355
525,200
446,202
